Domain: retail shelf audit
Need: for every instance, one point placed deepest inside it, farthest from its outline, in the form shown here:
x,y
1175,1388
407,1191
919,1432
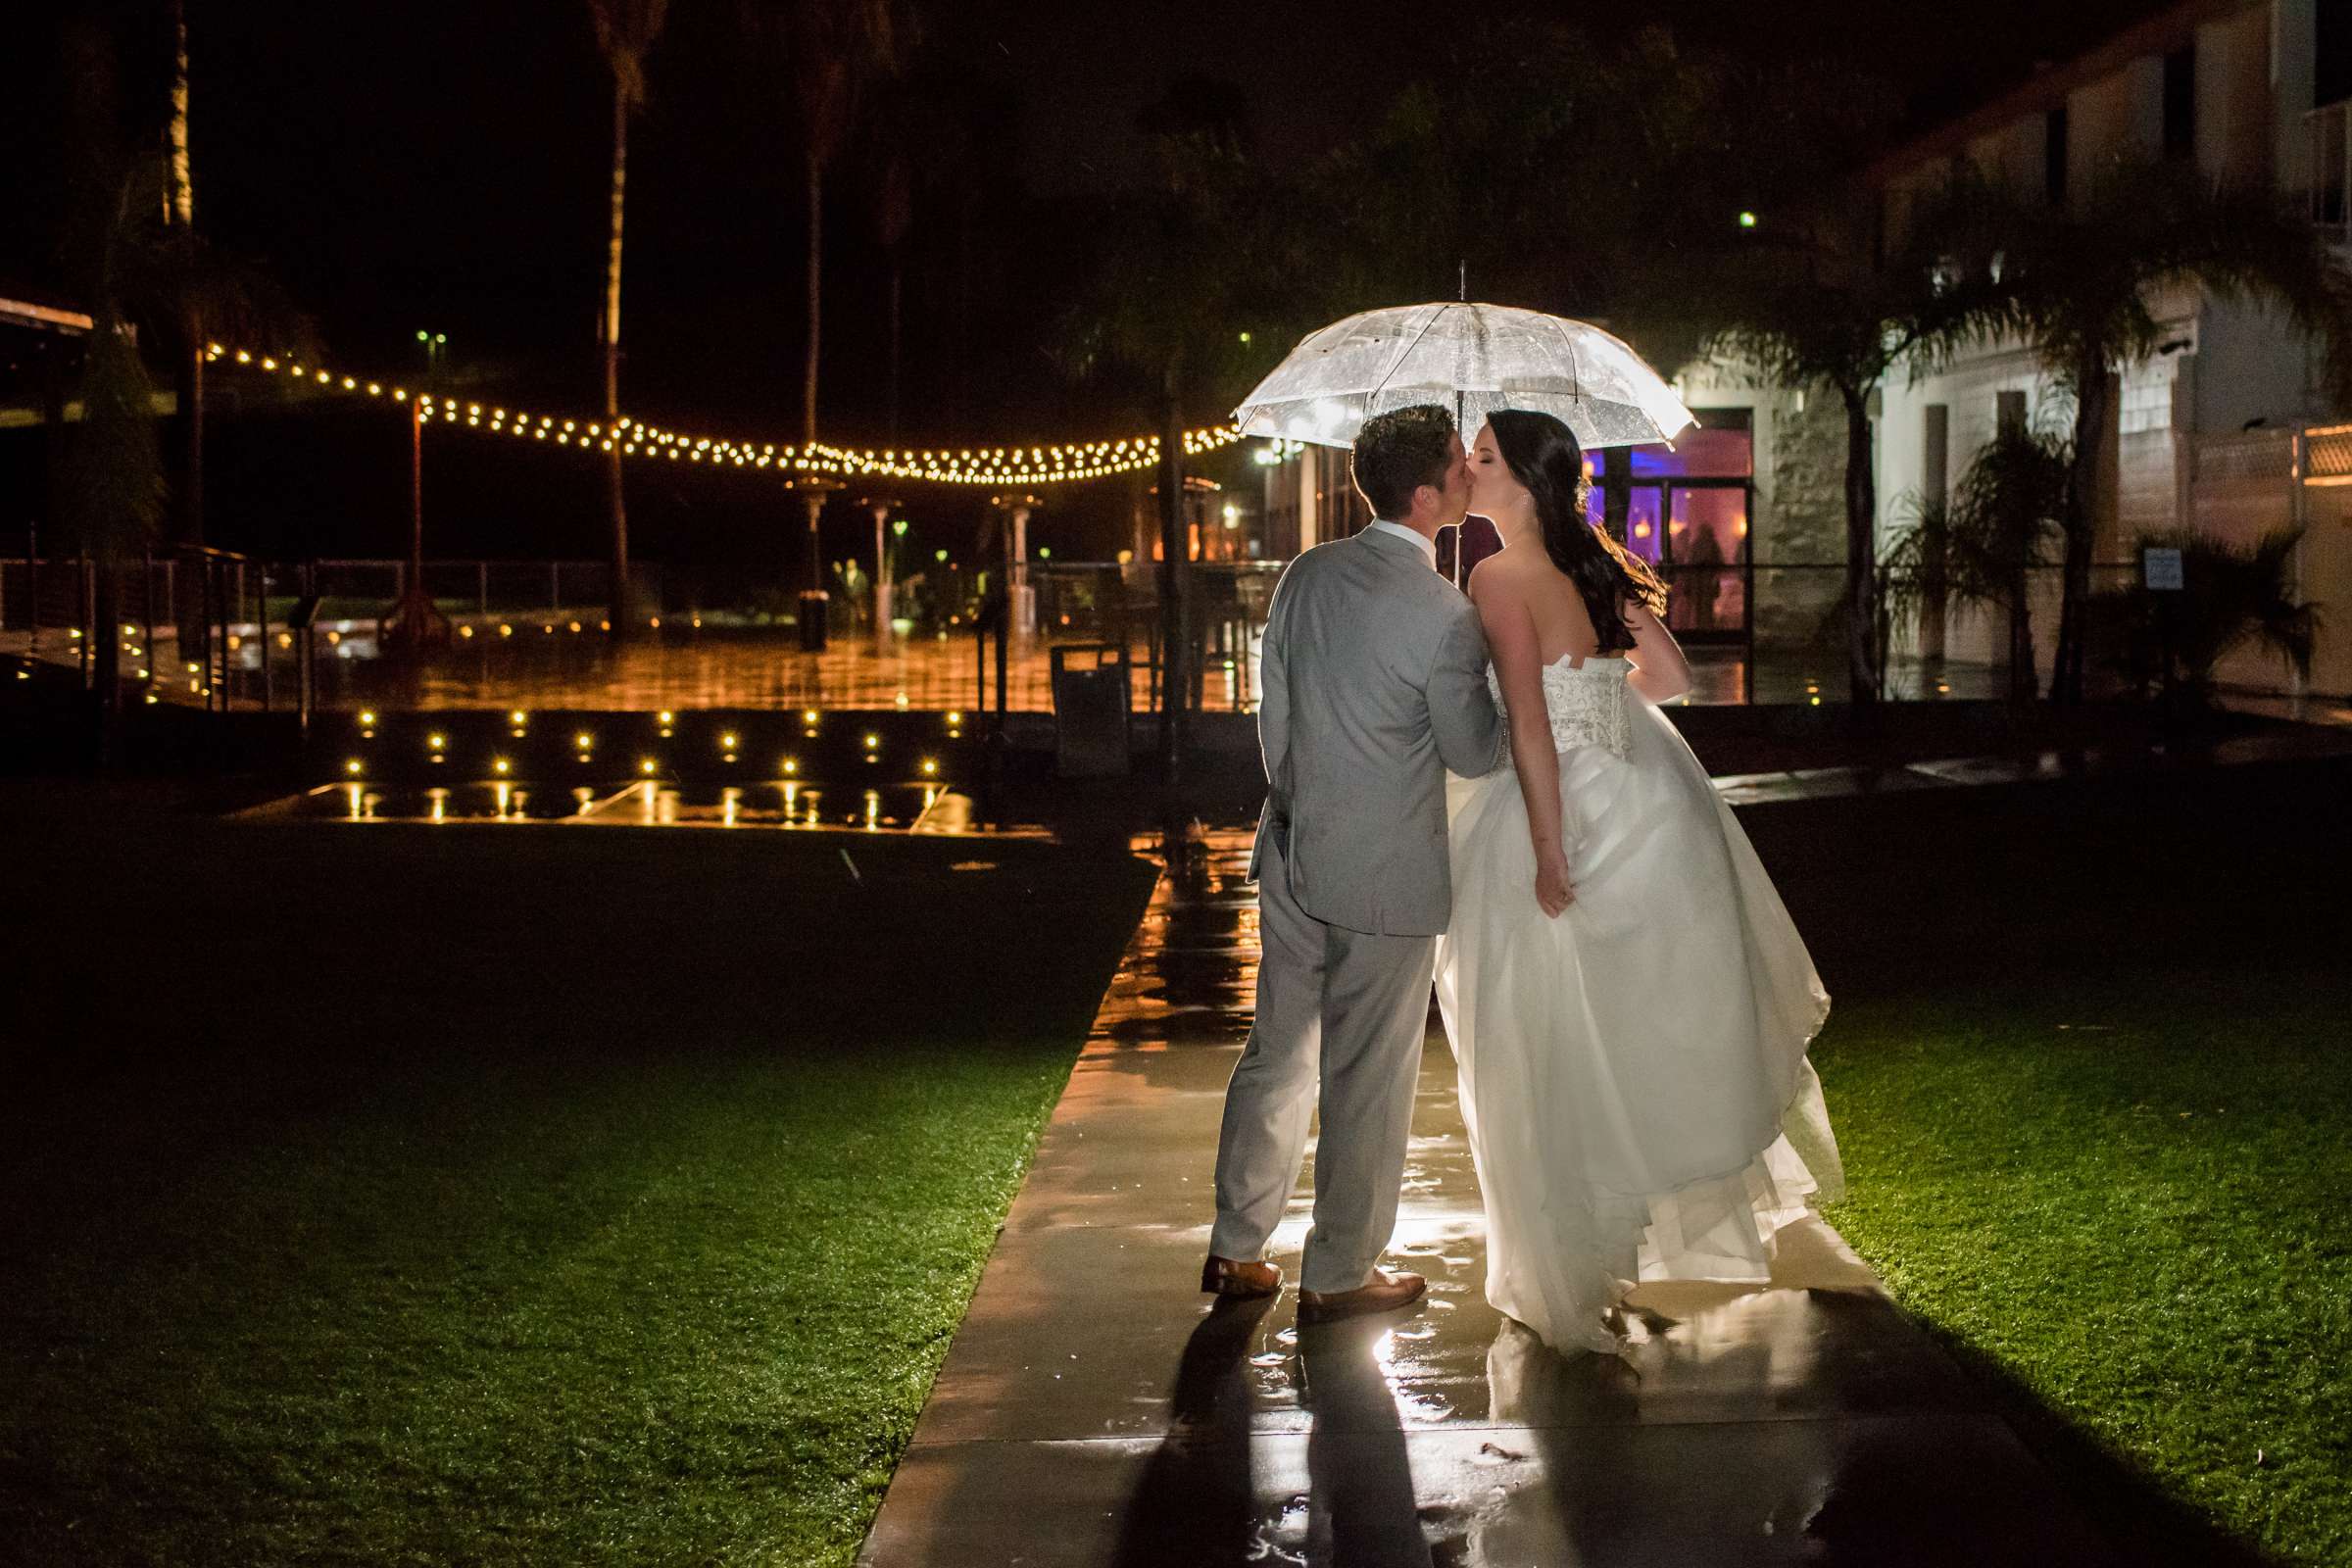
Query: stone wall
x,y
1800,518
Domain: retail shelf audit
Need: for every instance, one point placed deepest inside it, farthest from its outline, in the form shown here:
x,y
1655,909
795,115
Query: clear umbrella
x,y
1473,359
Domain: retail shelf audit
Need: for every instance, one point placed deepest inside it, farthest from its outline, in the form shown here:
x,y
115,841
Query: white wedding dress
x,y
1632,1073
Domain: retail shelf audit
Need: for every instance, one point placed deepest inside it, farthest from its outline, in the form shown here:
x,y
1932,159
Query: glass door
x,y
1706,562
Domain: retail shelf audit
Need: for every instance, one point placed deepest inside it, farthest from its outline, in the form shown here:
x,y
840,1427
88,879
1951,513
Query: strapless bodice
x,y
1585,704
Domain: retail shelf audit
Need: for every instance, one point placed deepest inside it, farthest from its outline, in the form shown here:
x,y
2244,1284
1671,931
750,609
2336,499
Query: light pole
x,y
416,620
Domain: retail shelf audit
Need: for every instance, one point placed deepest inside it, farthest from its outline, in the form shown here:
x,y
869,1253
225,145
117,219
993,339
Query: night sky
x,y
442,164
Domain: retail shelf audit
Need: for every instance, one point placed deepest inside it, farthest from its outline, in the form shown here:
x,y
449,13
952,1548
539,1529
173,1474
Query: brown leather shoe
x,y
1384,1291
1232,1277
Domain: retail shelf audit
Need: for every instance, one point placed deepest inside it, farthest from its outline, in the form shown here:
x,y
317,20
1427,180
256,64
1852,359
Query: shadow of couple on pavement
x,y
1583,1459
1202,1500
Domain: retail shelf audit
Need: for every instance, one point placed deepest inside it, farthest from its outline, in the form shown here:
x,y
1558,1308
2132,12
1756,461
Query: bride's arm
x,y
1660,671
1519,670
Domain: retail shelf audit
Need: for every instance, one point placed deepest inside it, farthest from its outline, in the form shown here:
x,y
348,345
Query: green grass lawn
x,y
2135,1209
2092,1072
537,1194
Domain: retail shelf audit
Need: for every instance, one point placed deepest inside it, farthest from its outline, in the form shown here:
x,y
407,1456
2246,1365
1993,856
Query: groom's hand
x,y
1554,891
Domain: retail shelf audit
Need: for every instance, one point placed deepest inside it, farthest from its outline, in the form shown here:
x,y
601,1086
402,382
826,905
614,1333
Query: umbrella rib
x,y
1575,380
1382,386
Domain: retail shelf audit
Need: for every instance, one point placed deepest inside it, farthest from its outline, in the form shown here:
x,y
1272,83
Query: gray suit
x,y
1374,685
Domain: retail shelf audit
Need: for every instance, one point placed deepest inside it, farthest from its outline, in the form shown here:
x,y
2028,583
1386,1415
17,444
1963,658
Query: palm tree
x,y
1915,573
626,31
1821,324
894,214
136,260
832,51
113,490
1189,261
2009,505
2233,595
179,216
2076,285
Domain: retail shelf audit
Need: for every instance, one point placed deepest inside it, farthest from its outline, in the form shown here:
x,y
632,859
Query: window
x,y
2181,103
2009,412
2053,156
1720,448
1935,452
2332,53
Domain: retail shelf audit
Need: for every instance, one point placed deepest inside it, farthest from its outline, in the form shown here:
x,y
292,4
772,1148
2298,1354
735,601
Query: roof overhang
x,y
2160,34
41,318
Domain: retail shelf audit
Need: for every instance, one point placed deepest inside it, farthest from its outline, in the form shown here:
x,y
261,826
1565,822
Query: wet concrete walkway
x,y
1095,1410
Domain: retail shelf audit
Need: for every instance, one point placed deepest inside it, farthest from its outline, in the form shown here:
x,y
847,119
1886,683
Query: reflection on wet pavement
x,y
1094,1408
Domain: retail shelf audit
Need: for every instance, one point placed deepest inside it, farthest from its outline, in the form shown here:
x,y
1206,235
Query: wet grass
x,y
2134,1205
496,1195
2090,1073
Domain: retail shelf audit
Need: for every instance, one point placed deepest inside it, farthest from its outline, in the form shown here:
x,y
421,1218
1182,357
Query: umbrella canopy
x,y
1472,359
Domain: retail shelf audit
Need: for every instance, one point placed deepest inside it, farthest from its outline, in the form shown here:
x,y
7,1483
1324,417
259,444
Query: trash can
x,y
1089,710
814,603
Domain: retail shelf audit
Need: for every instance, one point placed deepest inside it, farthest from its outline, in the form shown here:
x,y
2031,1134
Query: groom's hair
x,y
1398,451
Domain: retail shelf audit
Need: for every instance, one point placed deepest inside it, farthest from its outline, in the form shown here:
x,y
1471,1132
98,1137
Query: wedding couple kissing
x,y
1482,792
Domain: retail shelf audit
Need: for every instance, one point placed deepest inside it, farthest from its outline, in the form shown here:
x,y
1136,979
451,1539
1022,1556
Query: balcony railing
x,y
2331,131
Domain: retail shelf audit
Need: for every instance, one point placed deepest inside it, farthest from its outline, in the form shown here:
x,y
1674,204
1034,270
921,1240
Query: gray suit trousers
x,y
1341,1017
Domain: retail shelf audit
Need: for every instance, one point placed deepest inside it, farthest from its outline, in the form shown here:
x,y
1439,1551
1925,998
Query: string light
x,y
1005,465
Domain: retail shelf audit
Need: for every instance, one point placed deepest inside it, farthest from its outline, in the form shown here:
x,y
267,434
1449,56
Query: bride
x,y
1628,1000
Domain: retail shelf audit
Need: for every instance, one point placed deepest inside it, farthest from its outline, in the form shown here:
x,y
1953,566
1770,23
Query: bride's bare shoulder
x,y
1499,573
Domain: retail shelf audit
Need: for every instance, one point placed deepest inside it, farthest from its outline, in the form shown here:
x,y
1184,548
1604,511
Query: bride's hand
x,y
1554,891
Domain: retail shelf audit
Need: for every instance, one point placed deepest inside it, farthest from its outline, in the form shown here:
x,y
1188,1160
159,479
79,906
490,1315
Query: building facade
x,y
2228,427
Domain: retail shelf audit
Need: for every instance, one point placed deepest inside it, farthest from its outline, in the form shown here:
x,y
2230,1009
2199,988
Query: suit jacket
x,y
1374,683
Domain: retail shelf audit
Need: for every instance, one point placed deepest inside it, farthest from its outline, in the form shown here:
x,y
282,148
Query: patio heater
x,y
1021,603
814,601
882,507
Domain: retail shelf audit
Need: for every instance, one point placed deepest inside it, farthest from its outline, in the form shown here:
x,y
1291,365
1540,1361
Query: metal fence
x,y
530,633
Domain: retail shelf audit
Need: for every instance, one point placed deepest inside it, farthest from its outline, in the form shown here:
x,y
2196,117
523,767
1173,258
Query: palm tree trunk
x,y
180,212
105,659
188,374
2081,501
1175,689
816,254
816,257
618,608
897,280
2022,680
1861,553
180,196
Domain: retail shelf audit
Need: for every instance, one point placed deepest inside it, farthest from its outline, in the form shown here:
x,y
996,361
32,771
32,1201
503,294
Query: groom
x,y
1374,685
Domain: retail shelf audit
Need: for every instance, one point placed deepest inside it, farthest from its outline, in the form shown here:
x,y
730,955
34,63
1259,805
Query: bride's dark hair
x,y
1543,454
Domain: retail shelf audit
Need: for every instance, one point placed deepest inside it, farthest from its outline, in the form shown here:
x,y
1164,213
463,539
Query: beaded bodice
x,y
1587,704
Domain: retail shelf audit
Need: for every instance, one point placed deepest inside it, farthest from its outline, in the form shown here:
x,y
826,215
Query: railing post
x,y
262,631
147,610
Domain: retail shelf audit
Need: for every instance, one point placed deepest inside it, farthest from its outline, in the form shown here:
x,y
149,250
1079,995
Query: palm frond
x,y
2235,594
625,31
